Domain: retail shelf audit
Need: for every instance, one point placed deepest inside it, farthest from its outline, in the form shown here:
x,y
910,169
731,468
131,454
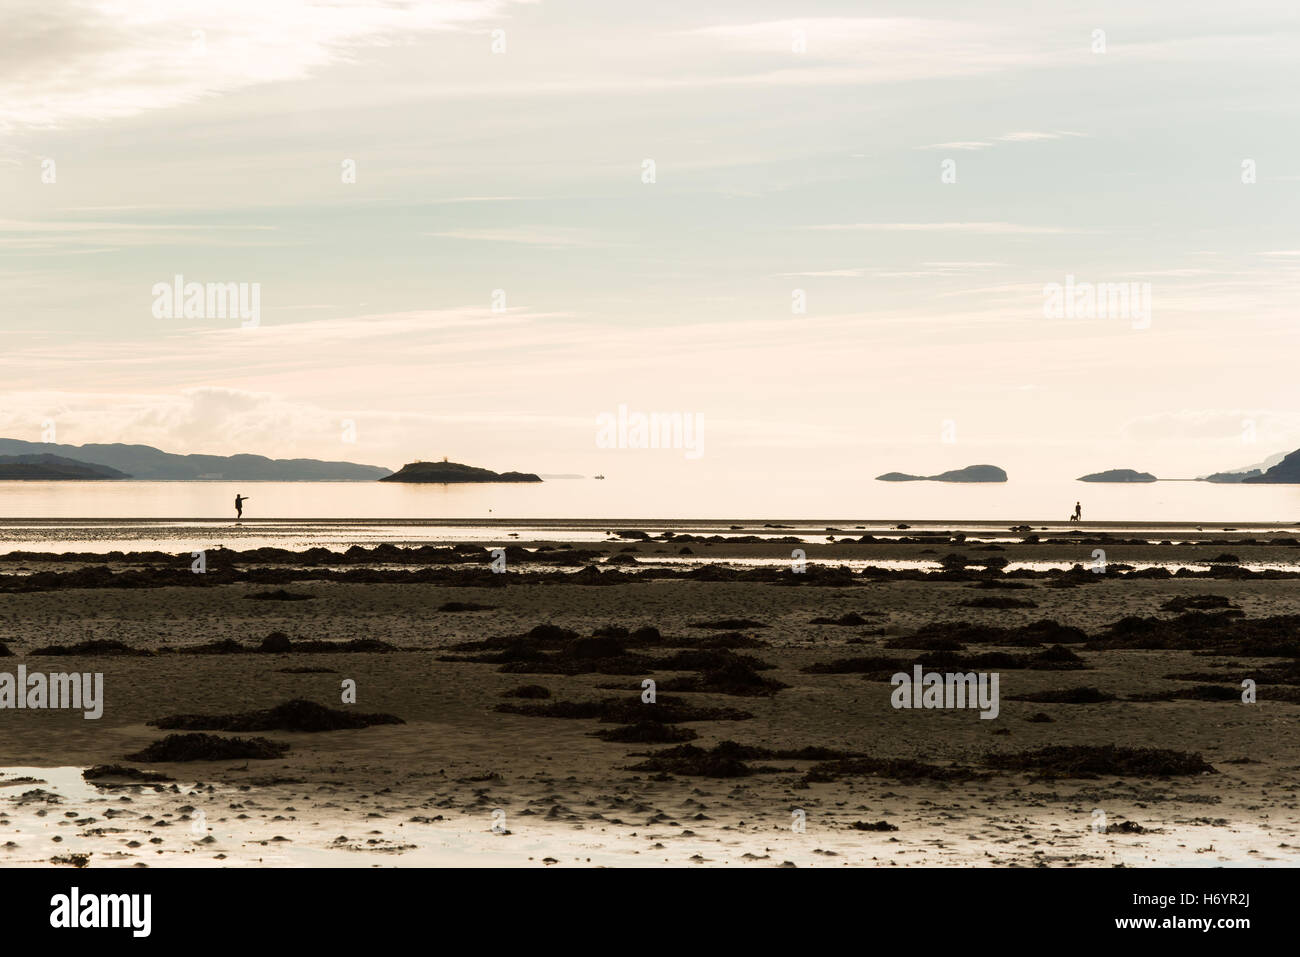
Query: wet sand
x,y
430,790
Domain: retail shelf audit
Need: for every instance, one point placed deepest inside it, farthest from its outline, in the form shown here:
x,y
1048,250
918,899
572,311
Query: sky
x,y
824,231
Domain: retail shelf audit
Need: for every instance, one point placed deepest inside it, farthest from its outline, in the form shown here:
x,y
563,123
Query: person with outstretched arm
x,y
239,505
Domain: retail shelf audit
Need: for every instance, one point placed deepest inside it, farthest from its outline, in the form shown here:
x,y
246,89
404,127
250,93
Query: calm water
x,y
174,516
835,501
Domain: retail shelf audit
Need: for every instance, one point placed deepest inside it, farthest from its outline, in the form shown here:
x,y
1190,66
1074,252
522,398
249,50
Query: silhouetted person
x,y
1078,512
239,505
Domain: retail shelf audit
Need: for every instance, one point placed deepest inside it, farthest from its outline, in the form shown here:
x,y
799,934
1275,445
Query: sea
x,y
177,516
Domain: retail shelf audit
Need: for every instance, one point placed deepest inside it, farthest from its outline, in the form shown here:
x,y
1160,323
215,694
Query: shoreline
x,y
198,646
658,523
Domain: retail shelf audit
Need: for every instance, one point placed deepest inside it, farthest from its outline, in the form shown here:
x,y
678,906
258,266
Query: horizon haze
x,y
1053,240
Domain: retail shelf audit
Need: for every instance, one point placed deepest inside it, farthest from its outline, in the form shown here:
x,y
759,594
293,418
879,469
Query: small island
x,y
46,468
447,473
971,473
1118,475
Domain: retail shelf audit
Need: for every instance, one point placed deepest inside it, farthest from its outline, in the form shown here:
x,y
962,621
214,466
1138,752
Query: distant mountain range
x,y
146,462
1285,472
447,473
971,473
1248,473
44,467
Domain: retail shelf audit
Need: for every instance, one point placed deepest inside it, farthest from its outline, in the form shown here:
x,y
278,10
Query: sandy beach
x,y
475,775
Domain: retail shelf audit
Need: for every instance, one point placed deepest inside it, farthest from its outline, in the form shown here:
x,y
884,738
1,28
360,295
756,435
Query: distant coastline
x,y
146,463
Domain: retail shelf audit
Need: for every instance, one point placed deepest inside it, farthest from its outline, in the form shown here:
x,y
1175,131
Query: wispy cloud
x,y
527,235
996,228
1032,136
968,145
1024,136
69,237
63,61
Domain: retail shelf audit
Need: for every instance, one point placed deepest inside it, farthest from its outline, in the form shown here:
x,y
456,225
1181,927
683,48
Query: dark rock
x,y
295,715
208,747
275,642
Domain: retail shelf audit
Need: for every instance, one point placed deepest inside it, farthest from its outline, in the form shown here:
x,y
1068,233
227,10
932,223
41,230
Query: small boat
x,y
598,476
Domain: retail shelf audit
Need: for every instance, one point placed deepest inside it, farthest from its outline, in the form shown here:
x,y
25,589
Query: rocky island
x,y
446,473
1118,475
971,473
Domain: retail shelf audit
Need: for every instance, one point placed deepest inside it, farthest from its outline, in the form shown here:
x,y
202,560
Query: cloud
x,y
225,421
973,227
1031,136
933,269
67,237
1027,136
63,61
526,235
1255,429
958,145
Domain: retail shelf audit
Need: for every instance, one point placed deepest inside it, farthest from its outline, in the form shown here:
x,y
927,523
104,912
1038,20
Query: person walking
x,y
1078,513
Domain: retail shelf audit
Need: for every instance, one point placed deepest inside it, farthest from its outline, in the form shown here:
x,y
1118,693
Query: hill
x,y
1246,472
148,463
1286,472
446,473
44,467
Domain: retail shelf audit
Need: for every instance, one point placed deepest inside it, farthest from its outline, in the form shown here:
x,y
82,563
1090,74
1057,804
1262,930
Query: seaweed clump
x,y
1090,761
208,747
295,715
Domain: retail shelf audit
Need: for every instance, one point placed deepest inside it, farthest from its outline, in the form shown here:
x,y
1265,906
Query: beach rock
x,y
646,732
279,595
1090,761
91,648
296,715
1065,696
102,772
275,642
208,747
